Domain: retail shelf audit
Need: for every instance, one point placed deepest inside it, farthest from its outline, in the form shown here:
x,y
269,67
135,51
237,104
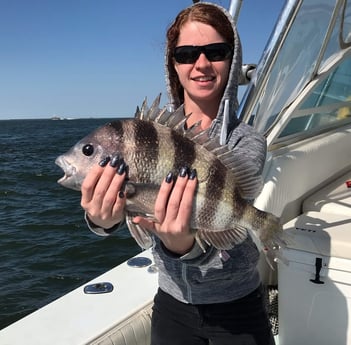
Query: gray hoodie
x,y
212,275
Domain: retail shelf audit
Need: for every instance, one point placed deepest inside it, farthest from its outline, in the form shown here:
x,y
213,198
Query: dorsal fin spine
x,y
176,121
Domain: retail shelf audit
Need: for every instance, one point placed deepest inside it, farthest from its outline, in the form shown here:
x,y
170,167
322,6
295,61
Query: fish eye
x,y
88,149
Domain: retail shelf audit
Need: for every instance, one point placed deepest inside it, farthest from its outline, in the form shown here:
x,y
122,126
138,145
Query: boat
x,y
299,97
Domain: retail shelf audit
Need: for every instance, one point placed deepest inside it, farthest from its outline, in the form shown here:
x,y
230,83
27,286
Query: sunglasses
x,y
213,52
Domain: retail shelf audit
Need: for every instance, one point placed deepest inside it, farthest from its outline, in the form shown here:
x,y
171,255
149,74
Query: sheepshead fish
x,y
154,143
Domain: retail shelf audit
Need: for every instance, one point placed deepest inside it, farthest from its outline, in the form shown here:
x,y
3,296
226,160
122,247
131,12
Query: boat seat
x,y
294,172
135,330
334,198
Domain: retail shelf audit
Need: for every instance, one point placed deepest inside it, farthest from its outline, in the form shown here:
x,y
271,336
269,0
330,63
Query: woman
x,y
205,295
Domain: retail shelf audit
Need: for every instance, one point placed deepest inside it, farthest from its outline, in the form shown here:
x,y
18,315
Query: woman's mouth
x,y
203,78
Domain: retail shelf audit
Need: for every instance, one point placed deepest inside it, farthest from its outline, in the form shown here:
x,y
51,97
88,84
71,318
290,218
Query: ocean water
x,y
46,250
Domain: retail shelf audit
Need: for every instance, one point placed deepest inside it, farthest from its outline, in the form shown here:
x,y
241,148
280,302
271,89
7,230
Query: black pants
x,y
241,322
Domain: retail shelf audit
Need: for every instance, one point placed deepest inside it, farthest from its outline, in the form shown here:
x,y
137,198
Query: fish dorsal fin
x,y
162,116
248,182
174,120
146,113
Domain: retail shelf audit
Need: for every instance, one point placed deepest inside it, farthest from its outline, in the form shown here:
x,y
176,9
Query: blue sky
x,y
98,58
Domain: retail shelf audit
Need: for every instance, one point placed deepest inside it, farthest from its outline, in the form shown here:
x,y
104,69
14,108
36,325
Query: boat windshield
x,y
327,105
308,54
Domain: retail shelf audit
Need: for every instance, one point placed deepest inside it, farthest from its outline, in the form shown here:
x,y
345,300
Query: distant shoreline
x,y
64,118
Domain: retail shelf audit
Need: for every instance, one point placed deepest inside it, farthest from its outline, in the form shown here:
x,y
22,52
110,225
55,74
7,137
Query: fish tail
x,y
270,235
273,256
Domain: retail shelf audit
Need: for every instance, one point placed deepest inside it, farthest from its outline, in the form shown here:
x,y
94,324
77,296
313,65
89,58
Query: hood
x,y
226,118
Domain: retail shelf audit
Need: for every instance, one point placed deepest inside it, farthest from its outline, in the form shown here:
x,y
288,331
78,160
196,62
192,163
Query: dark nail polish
x,y
192,174
114,161
104,161
183,171
121,194
169,177
126,170
121,169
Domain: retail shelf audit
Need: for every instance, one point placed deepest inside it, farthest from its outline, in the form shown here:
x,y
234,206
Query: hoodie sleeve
x,y
195,253
97,230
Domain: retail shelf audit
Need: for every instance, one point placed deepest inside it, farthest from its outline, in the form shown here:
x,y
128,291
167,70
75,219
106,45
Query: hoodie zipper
x,y
187,285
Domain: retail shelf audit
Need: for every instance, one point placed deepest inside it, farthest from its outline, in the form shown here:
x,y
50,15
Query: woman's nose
x,y
202,61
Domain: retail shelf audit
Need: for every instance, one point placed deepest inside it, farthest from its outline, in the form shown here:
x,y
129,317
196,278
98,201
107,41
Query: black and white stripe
x,y
184,151
146,151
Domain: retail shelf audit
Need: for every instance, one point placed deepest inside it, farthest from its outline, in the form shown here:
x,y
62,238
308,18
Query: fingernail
x,y
114,161
126,170
169,177
104,161
183,171
121,194
121,169
192,174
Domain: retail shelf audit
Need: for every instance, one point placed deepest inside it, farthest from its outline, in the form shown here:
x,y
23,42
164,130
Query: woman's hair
x,y
204,13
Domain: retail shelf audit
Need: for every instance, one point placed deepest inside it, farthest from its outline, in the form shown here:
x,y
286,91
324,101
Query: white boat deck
x,y
79,318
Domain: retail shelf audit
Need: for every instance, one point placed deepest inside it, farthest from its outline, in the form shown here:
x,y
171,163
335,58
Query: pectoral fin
x,y
225,239
141,236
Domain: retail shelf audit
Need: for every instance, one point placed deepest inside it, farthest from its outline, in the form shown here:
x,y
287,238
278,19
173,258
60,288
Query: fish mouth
x,y
68,169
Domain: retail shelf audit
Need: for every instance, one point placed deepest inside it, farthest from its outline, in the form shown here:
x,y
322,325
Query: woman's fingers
x,y
89,184
105,180
102,192
173,209
175,200
111,187
177,195
187,200
163,196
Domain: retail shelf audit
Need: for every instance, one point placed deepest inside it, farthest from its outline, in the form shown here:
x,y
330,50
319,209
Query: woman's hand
x,y
103,198
173,209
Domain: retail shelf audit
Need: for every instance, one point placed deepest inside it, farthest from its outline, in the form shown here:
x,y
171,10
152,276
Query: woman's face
x,y
202,80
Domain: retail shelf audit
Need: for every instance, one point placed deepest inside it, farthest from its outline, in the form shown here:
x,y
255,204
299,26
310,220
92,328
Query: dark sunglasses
x,y
213,52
